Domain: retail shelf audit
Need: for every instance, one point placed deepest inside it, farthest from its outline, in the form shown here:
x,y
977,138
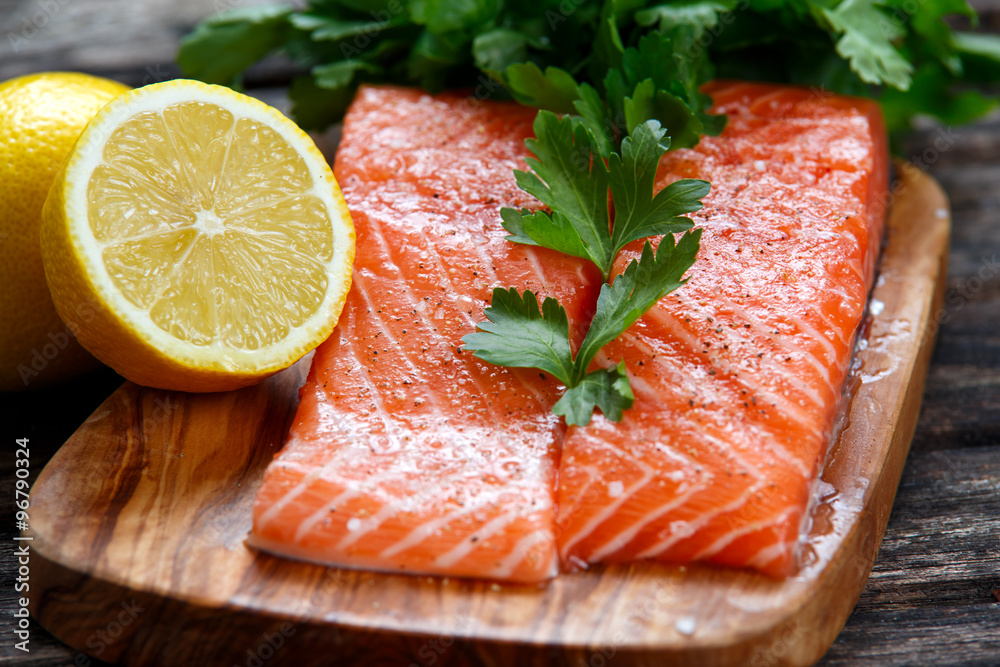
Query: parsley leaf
x,y
554,89
442,16
496,50
607,389
866,41
517,334
644,282
570,178
573,184
222,46
638,213
314,106
659,79
931,91
980,55
701,15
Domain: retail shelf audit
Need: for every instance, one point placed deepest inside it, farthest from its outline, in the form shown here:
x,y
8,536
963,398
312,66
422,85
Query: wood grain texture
x,y
139,524
928,599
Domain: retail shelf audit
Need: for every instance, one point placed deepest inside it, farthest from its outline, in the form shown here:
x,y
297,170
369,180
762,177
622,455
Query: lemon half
x,y
196,239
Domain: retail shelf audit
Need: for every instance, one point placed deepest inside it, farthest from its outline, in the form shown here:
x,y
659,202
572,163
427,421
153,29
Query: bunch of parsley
x,y
901,51
617,83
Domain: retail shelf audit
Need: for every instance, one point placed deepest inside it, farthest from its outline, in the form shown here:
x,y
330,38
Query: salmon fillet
x,y
738,375
405,454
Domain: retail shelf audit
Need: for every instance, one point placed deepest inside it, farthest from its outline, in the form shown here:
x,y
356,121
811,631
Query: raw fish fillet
x,y
409,456
738,375
405,454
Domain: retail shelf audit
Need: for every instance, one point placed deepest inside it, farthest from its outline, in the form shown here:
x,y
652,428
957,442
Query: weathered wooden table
x,y
934,594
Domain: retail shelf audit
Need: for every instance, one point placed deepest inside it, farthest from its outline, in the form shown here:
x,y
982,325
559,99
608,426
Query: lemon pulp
x,y
208,230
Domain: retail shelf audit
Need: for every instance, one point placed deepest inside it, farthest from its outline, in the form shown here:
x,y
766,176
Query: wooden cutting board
x,y
139,521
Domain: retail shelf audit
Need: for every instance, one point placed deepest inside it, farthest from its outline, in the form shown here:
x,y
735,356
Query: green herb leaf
x,y
606,388
570,178
866,41
550,230
932,91
441,16
434,56
664,74
631,176
340,74
930,34
980,54
594,116
647,102
222,46
701,15
334,30
545,52
314,107
644,282
519,335
496,50
555,89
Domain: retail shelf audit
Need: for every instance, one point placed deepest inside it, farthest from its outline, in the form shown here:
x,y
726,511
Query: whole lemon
x,y
41,116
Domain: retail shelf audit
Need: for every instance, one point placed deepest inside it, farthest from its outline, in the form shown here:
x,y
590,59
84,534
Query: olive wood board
x,y
139,522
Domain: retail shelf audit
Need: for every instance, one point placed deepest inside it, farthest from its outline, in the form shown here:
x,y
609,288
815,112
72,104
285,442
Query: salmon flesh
x,y
408,455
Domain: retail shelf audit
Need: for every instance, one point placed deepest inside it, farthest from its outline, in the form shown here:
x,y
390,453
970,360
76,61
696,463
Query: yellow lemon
x,y
196,239
41,117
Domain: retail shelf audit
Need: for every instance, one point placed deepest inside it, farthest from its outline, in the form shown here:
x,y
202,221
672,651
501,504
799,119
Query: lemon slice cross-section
x,y
196,239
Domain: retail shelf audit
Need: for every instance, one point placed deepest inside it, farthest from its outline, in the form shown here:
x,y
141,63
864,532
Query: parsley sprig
x,y
518,334
904,53
571,178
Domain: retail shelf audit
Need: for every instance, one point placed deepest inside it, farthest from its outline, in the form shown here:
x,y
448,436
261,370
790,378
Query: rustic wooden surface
x,y
934,594
150,501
